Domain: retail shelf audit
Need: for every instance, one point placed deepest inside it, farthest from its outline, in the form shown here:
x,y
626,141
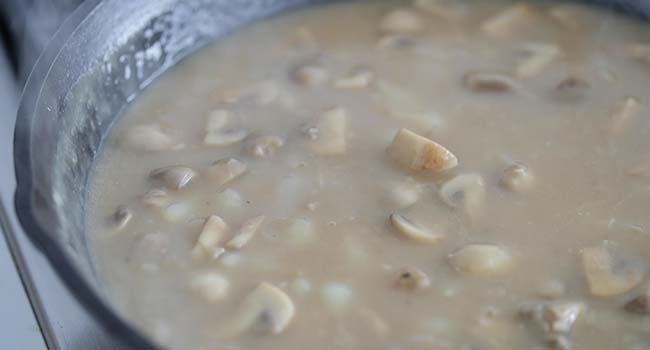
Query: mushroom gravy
x,y
389,175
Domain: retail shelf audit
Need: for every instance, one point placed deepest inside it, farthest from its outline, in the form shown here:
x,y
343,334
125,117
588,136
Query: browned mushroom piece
x,y
609,275
412,278
571,89
418,153
640,304
489,82
120,218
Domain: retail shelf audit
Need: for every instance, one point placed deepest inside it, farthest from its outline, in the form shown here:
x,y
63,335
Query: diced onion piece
x,y
337,296
213,287
332,127
246,233
211,235
416,152
623,113
509,21
481,259
178,211
412,231
540,55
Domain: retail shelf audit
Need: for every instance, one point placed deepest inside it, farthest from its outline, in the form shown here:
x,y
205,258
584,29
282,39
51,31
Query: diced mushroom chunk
x,y
173,177
246,233
120,218
332,127
509,21
358,78
489,82
481,259
418,153
156,198
539,56
412,231
402,20
311,75
211,235
607,276
517,177
225,170
554,320
640,304
213,287
216,131
466,190
412,278
267,309
149,138
264,146
624,112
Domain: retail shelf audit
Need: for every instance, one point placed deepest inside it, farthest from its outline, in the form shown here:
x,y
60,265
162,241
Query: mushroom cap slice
x,y
465,189
481,259
607,276
412,231
266,307
208,242
226,170
416,152
174,177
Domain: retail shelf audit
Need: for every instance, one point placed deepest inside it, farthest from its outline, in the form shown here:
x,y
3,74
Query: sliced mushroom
x,y
332,127
539,56
412,231
554,320
620,118
510,20
640,304
156,198
213,287
174,177
481,259
267,309
607,276
517,177
402,20
246,232
571,89
489,82
418,153
264,146
467,190
412,278
358,78
310,75
216,132
211,235
225,170
149,138
120,218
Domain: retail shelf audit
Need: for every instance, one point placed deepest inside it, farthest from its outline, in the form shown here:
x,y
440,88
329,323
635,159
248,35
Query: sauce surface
x,y
389,175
